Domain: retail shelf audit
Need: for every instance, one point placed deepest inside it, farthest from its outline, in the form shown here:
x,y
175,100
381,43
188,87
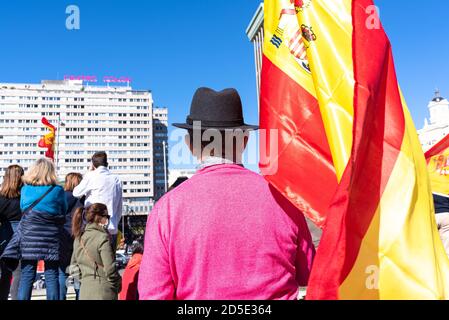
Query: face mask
x,y
104,226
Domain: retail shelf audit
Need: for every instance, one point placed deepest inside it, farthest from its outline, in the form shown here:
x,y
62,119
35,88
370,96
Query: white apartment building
x,y
115,119
437,127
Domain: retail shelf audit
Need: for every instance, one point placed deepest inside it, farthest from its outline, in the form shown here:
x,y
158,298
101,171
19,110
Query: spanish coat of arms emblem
x,y
294,36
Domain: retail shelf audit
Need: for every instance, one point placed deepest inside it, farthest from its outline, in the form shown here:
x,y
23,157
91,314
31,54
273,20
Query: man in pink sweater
x,y
225,234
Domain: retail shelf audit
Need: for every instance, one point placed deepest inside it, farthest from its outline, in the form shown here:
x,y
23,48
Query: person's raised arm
x,y
83,188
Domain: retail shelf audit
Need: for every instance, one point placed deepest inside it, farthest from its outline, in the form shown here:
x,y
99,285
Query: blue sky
x,y
419,33
173,47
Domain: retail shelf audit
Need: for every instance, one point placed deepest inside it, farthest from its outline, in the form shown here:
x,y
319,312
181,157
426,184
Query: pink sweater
x,y
225,234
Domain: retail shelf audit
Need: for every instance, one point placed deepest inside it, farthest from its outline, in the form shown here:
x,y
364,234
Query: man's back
x,y
225,234
101,186
102,183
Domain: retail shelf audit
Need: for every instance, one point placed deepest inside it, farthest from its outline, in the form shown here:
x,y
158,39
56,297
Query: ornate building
x,y
437,126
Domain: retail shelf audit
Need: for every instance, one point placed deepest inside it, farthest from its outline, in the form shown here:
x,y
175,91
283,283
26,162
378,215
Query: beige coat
x,y
95,264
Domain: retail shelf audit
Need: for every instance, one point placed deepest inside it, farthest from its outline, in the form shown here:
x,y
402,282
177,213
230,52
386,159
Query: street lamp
x,y
165,167
58,133
123,219
131,213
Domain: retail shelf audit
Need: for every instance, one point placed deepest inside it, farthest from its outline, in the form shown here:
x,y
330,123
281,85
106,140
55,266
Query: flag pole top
x,y
438,97
437,92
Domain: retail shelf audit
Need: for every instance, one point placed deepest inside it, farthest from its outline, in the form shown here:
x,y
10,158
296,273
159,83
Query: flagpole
x,y
57,142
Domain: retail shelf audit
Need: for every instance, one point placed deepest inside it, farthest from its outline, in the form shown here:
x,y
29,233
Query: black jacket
x,y
73,203
10,209
441,203
37,238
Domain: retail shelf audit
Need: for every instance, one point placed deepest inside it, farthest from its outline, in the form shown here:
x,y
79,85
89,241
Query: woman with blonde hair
x,y
38,236
10,215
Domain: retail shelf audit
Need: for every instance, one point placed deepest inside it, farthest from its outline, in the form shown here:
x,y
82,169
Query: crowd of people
x,y
71,228
225,233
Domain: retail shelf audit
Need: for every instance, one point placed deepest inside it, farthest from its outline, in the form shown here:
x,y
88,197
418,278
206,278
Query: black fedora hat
x,y
216,110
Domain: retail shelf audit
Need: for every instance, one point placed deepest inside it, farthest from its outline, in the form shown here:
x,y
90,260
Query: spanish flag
x,y
438,166
48,140
349,156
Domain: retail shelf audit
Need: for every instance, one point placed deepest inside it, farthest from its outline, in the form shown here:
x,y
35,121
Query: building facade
x,y
118,120
160,134
437,126
255,33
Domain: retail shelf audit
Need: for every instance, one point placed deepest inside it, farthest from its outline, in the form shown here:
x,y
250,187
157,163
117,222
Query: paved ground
x,y
42,295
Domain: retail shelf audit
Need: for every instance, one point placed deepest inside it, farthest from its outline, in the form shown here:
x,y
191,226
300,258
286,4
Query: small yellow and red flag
x,y
48,140
438,166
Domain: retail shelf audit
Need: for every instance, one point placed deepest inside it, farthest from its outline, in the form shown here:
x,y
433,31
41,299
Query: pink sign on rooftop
x,y
82,77
111,79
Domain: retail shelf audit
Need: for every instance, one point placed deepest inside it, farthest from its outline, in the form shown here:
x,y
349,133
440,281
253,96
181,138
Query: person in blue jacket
x,y
38,235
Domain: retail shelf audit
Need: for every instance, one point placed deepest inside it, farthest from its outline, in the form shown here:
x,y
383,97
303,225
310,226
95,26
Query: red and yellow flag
x,y
48,140
438,166
349,155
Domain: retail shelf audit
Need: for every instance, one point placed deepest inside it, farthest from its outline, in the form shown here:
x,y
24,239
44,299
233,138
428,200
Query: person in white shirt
x,y
99,185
